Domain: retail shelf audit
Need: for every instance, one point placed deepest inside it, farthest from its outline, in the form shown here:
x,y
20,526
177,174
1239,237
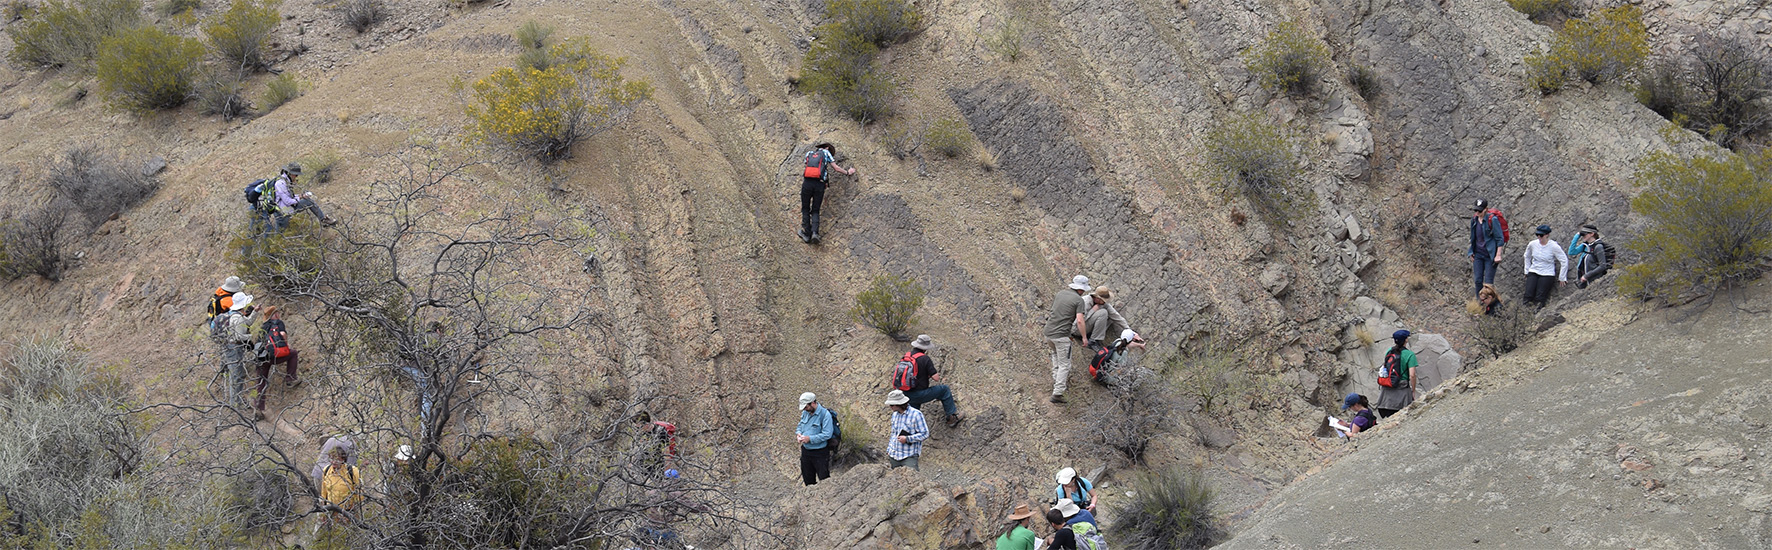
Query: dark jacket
x,y
1486,236
1591,264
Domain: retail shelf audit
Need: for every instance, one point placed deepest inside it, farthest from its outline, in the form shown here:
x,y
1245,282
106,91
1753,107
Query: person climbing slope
x,y
820,162
1065,321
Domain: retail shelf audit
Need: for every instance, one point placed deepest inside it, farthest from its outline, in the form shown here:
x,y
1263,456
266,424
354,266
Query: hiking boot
x,y
954,419
328,221
291,384
815,239
1058,398
258,415
803,238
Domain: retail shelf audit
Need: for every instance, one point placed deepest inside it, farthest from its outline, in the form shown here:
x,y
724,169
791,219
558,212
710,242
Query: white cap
x,y
807,399
1128,335
1066,475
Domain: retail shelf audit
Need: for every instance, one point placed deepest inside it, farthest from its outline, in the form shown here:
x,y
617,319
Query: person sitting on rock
x,y
1363,418
1393,399
1016,533
288,202
1076,488
924,390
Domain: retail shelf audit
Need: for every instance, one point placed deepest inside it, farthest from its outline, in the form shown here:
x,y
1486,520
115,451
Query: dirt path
x,y
1651,435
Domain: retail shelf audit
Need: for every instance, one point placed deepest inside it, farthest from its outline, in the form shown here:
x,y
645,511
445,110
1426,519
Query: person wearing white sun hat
x,y
1065,320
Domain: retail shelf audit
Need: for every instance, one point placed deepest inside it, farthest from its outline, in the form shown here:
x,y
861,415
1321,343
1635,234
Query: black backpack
x,y
1611,252
255,193
1390,374
836,433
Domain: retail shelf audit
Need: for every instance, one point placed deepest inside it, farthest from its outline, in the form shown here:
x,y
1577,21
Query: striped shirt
x,y
911,423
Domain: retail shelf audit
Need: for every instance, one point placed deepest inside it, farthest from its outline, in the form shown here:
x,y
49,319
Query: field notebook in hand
x,y
1341,428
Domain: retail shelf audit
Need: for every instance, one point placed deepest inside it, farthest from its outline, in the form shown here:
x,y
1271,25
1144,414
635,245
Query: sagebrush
x,y
361,15
68,32
1212,375
98,183
1543,10
220,93
146,69
32,241
1007,39
283,89
1509,327
1170,509
1365,81
533,35
242,34
1606,46
1709,223
950,137
317,166
839,70
1290,60
889,305
1255,160
881,22
543,113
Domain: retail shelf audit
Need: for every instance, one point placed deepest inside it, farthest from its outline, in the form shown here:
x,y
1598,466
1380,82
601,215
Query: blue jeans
x,y
932,393
1483,269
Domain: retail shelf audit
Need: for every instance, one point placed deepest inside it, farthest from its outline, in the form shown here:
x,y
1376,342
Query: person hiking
x,y
820,161
223,298
1489,299
276,348
909,429
1592,257
1488,235
288,203
341,487
1363,418
922,388
234,332
1066,516
1402,390
817,426
1065,320
1017,535
663,435
339,442
1076,488
1544,260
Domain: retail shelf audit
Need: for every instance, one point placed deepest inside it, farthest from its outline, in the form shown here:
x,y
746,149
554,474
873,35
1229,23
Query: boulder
x,y
873,507
1275,280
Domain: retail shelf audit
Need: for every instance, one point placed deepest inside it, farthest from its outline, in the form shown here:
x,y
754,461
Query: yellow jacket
x,y
340,486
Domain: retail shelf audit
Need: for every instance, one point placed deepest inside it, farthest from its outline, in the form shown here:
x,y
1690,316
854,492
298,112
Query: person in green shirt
x,y
1065,321
1391,400
1016,535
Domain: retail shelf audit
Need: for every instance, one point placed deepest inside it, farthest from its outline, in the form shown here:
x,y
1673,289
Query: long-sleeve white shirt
x,y
1547,259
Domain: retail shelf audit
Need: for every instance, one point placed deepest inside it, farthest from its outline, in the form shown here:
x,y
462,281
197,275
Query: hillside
x,y
1615,430
1090,162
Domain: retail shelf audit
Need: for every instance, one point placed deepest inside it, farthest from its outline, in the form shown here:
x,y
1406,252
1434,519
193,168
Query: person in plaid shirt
x,y
908,431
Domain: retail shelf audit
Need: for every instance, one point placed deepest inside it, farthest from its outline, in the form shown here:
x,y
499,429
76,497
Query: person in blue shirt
x,y
1485,248
1065,515
814,435
1076,488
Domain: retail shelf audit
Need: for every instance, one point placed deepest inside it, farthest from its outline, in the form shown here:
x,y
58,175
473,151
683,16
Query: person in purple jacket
x,y
288,202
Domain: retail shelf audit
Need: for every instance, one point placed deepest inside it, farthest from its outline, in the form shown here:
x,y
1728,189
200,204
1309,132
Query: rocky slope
x,y
1615,431
1095,136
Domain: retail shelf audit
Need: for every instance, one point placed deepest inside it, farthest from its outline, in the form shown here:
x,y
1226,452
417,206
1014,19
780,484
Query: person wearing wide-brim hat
x,y
236,341
223,300
909,429
924,389
1393,399
1066,321
1547,267
1016,533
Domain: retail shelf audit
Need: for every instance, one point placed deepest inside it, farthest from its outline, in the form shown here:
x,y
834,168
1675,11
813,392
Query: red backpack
x,y
1505,234
277,337
1390,374
904,375
815,163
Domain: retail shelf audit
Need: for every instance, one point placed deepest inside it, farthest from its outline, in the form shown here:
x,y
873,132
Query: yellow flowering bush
x,y
543,112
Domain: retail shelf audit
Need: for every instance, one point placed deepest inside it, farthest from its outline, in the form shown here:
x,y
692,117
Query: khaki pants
x,y
1061,364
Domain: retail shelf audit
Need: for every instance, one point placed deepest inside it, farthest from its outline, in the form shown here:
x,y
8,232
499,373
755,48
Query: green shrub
x,y
1607,46
15,10
1212,375
889,305
1721,89
98,184
1365,81
242,34
1007,40
219,94
361,15
1170,509
283,89
858,445
1543,10
839,70
145,69
902,138
171,8
539,59
279,260
542,113
1507,329
534,35
68,33
317,166
880,22
1710,223
950,137
1255,160
1290,60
